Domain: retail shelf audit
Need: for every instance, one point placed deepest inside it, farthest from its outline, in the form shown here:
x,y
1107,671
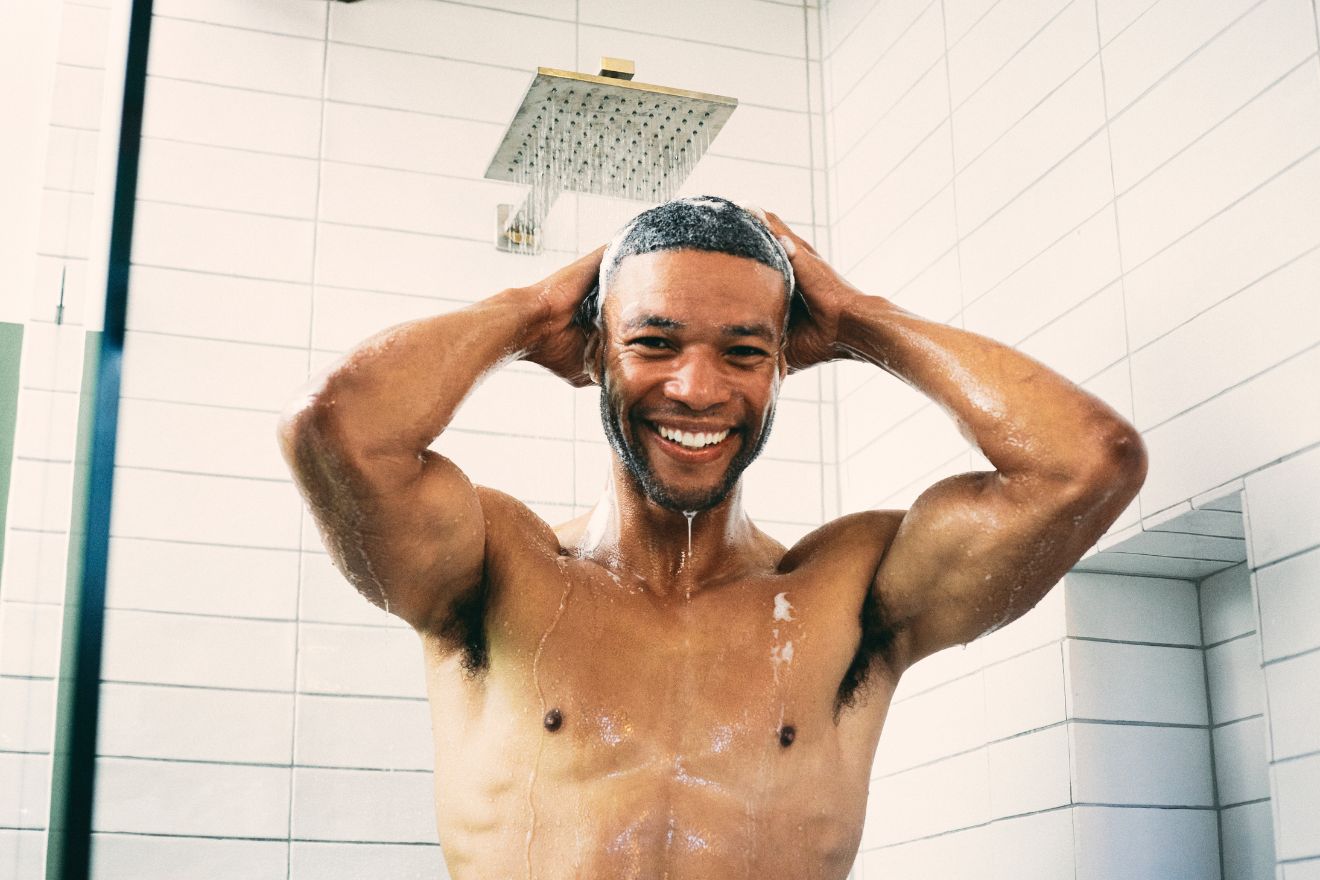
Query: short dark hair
x,y
704,223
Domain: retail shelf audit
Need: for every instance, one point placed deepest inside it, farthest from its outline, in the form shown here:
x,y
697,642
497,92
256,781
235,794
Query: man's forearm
x,y
398,390
1026,418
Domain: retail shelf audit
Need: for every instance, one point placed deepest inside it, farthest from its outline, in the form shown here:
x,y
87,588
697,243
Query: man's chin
x,y
686,501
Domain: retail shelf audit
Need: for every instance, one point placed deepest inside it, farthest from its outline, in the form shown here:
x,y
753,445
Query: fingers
x,y
782,231
580,274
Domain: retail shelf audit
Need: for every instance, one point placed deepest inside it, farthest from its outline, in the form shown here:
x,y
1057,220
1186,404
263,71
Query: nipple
x,y
553,720
787,734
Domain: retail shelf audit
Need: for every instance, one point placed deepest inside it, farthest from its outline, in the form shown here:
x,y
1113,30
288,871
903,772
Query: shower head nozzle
x,y
603,135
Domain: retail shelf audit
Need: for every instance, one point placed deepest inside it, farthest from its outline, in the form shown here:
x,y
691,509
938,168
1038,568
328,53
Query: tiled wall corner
x,y
1284,557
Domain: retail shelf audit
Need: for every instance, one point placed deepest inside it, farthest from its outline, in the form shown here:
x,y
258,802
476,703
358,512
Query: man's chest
x,y
617,679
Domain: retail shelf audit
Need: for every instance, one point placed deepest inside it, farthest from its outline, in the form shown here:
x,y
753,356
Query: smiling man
x,y
660,689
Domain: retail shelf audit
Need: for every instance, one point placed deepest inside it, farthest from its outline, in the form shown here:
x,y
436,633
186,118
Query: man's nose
x,y
698,383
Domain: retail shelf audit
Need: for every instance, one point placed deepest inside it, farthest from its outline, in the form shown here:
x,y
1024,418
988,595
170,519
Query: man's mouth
x,y
692,439
691,447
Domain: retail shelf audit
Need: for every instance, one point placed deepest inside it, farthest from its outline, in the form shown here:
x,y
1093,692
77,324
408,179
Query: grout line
x,y
1016,52
220,762
882,54
1222,642
238,27
1144,644
1229,563
825,514
1001,661
246,838
985,824
971,27
1293,758
302,507
1315,19
301,97
1223,724
310,221
1295,553
897,167
251,690
838,44
1209,698
1070,806
94,68
1189,56
953,179
1236,385
1162,725
1212,128
1308,652
1260,650
1300,860
971,750
1069,705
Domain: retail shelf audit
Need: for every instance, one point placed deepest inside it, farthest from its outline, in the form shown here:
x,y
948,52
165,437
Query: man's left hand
x,y
813,328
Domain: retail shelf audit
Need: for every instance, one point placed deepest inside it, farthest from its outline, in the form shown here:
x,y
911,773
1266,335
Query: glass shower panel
x,y
51,341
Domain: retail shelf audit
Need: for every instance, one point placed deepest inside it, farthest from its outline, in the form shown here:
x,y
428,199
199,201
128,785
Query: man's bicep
x,y
975,552
411,540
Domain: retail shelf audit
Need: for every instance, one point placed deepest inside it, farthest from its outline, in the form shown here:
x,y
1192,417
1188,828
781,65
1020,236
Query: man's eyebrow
x,y
655,321
761,331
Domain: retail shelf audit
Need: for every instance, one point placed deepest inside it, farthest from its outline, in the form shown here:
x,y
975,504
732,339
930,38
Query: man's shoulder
x,y
512,526
859,538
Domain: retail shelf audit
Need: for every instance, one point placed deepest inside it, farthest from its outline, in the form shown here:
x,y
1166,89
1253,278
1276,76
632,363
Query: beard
x,y
637,463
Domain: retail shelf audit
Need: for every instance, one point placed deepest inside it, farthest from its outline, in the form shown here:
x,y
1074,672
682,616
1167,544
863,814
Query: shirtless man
x,y
610,701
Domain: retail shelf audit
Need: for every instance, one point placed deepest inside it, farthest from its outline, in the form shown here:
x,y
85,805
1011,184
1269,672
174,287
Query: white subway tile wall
x,y
1094,149
1106,185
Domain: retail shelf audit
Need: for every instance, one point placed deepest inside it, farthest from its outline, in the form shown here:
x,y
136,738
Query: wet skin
x,y
610,701
682,748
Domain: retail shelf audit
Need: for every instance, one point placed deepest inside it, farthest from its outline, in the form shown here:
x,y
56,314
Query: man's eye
x,y
746,351
651,342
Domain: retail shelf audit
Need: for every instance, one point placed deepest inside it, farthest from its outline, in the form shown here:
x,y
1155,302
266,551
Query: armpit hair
x,y
876,639
464,629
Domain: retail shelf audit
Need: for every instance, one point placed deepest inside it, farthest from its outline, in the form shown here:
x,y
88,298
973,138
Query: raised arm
x,y
402,522
977,550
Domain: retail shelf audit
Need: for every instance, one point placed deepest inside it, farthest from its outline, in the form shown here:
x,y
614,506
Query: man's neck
x,y
668,552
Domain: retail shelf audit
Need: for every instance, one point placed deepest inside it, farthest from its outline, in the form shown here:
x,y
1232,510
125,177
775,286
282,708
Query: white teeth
x,y
691,440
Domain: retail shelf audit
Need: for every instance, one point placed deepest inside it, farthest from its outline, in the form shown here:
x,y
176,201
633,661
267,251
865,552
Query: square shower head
x,y
607,136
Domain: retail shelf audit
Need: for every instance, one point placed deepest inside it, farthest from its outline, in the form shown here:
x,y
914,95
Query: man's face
x,y
690,368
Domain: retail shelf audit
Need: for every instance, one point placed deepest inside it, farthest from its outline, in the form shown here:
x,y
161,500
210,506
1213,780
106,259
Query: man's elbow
x,y
303,424
1119,463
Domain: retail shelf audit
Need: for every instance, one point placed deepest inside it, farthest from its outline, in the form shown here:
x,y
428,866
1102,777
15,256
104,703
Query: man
x,y
659,689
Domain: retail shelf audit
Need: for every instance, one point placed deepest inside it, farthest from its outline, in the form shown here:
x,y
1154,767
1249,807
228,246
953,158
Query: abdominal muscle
x,y
647,814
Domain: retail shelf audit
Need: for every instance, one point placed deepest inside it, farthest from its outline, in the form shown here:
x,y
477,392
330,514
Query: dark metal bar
x,y
68,848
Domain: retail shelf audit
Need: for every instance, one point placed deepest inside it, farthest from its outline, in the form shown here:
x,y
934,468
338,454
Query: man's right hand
x,y
560,343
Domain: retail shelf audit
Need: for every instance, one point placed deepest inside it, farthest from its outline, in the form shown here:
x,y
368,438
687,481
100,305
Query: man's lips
x,y
692,446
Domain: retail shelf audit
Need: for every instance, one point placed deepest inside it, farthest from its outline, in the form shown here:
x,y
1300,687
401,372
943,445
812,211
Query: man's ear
x,y
593,354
